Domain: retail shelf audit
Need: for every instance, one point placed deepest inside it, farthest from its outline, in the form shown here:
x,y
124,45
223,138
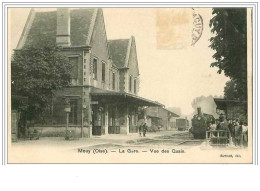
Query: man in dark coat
x,y
140,129
231,128
144,129
222,126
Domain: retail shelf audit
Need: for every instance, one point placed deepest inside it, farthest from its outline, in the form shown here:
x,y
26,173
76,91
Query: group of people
x,y
142,129
236,129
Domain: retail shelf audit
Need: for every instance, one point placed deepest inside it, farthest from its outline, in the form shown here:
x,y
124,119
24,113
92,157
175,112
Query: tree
x,y
36,72
230,90
230,43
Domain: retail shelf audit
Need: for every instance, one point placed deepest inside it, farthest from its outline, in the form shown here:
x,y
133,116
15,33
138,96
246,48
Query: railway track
x,y
184,139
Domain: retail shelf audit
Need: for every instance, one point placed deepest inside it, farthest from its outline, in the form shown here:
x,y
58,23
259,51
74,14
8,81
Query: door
x,y
130,123
14,125
97,121
113,127
73,112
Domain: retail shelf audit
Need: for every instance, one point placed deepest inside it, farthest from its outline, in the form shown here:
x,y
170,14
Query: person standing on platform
x,y
144,129
140,129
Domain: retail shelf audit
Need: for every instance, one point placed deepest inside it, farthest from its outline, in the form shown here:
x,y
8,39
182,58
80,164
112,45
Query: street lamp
x,y
67,110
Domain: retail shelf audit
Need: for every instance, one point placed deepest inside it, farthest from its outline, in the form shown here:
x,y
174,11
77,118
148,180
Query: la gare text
x,y
131,151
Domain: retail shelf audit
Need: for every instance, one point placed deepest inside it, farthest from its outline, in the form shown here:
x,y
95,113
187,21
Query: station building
x,y
103,95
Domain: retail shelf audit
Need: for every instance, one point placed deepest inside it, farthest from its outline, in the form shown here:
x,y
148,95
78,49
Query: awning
x,y
106,96
222,103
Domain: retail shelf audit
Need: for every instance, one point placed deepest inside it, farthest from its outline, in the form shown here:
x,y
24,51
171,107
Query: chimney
x,y
63,27
199,110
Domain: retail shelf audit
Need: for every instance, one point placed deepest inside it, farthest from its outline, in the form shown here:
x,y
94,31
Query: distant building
x,y
103,95
160,117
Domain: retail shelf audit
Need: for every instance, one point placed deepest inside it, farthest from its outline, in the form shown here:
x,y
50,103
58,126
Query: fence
x,y
218,137
113,129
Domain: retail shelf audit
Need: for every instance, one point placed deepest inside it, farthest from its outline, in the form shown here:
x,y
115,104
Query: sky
x,y
172,71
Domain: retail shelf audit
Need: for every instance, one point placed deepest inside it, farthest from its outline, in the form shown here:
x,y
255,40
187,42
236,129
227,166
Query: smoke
x,y
207,105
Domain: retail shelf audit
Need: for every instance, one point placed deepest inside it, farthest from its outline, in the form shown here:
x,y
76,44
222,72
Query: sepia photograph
x,y
130,84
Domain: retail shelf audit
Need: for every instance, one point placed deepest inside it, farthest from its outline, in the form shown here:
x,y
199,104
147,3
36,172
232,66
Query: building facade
x,y
158,116
103,95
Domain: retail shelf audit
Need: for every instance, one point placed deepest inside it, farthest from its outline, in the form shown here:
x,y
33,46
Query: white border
x,y
131,177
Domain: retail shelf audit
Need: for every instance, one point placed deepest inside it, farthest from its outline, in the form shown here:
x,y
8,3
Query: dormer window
x,y
74,61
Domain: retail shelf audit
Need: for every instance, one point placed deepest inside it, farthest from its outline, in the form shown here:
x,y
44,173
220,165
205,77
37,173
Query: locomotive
x,y
200,123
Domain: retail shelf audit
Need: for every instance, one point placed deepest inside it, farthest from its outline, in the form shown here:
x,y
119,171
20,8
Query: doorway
x,y
113,126
97,119
73,111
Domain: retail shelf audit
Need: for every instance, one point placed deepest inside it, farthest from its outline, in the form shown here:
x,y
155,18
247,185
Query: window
x,y
130,83
103,72
110,77
84,66
74,62
73,112
135,86
114,81
95,68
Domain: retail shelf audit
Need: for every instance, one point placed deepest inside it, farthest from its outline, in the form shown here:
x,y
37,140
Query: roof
x,y
118,51
163,108
42,27
113,96
172,114
222,103
150,116
80,26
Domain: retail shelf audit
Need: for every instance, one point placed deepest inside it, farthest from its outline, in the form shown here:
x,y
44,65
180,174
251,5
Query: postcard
x,y
130,85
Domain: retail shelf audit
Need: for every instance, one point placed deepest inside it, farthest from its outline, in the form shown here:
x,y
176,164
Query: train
x,y
200,123
182,124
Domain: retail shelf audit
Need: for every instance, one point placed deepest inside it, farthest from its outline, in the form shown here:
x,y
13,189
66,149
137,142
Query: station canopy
x,y
106,97
222,103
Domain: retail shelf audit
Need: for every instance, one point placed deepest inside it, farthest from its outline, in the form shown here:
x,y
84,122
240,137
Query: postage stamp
x,y
178,28
130,85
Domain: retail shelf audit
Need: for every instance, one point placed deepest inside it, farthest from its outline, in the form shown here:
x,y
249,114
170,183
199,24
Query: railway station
x,y
103,97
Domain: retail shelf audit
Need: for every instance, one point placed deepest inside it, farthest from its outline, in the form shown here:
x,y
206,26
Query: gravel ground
x,y
162,138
